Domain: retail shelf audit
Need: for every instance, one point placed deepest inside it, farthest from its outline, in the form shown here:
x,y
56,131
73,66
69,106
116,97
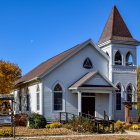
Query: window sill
x,y
57,111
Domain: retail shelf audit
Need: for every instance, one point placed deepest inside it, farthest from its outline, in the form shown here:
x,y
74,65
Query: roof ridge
x,y
89,74
46,65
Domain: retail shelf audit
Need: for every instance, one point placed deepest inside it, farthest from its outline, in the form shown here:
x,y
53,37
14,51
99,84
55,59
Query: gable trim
x,y
72,87
73,53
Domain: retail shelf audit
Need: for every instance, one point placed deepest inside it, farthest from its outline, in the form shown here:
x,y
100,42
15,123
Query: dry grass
x,y
23,131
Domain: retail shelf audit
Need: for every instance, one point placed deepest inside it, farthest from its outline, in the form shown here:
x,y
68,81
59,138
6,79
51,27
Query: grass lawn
x,y
23,131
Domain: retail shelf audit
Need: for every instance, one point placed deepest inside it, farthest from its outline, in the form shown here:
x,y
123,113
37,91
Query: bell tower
x,y
117,42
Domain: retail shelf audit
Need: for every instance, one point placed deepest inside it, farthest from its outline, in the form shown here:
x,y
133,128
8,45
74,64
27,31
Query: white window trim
x,y
38,100
119,84
63,97
121,101
38,92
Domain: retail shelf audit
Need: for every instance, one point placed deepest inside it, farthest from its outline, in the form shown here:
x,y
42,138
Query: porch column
x,y
110,106
79,102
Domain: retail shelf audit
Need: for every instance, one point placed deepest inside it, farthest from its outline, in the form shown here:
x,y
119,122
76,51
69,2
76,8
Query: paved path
x,y
74,136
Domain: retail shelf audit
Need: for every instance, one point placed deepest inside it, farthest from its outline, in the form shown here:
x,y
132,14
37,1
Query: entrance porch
x,y
94,95
95,104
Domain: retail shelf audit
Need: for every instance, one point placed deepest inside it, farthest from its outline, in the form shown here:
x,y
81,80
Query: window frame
x,y
38,101
118,92
20,101
127,63
129,95
116,62
63,103
27,100
89,65
38,98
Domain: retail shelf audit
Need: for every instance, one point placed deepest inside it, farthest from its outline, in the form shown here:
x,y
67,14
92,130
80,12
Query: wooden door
x,y
88,105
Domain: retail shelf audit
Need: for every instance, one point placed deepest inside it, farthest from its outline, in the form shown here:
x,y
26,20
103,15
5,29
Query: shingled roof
x,y
81,82
43,67
83,79
116,29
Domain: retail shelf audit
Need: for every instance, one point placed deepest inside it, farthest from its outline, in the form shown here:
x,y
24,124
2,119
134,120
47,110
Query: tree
x,y
9,73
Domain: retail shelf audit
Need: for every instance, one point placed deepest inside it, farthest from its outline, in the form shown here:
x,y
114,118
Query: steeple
x,y
116,29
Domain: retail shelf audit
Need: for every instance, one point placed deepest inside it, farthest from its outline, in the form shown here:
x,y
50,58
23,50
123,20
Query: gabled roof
x,y
43,67
116,29
83,79
81,82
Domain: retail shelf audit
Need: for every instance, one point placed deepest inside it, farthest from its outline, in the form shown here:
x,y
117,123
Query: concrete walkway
x,y
74,136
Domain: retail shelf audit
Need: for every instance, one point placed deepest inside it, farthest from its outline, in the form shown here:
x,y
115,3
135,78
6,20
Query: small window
x,y
28,100
129,59
38,98
118,98
38,101
118,58
58,98
20,99
87,64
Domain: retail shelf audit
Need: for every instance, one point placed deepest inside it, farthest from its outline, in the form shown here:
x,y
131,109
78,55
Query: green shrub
x,y
82,124
5,133
36,121
54,125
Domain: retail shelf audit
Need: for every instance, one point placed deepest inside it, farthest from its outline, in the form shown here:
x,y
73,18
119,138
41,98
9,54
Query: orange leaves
x,y
9,72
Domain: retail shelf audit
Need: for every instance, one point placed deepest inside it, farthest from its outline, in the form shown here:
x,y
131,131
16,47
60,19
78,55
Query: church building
x,y
88,78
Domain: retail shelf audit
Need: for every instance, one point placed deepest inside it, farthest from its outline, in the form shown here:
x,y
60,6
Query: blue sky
x,y
32,31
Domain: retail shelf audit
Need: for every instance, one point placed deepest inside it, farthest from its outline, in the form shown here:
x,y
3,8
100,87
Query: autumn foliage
x,y
9,72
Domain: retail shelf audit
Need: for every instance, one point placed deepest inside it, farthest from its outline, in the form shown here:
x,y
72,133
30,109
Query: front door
x,y
88,105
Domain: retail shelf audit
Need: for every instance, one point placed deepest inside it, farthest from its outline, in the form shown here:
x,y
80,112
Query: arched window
x,y
118,58
129,93
37,98
118,98
129,59
28,100
87,63
58,98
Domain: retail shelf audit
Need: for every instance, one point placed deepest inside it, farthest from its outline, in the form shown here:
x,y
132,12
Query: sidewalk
x,y
131,133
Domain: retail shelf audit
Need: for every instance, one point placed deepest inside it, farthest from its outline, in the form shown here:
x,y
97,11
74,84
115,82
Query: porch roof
x,y
82,83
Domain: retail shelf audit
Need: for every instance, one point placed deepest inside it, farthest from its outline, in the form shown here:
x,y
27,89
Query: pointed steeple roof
x,y
115,28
